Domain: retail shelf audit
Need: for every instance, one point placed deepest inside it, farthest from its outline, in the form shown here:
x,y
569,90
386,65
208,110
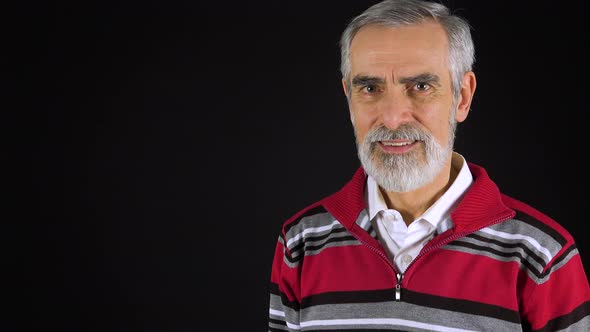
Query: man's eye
x,y
370,89
422,86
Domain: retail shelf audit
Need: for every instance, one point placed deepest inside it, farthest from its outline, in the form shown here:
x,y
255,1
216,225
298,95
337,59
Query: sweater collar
x,y
481,205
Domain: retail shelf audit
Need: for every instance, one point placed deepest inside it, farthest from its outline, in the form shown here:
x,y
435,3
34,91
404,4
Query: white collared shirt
x,y
403,243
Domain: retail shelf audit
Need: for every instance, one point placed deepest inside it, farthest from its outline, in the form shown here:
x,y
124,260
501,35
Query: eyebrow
x,y
366,80
426,77
363,80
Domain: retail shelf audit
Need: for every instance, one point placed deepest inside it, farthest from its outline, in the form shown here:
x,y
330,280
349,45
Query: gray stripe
x,y
514,226
328,238
317,238
314,234
380,327
280,239
365,223
316,221
405,311
582,325
493,256
534,269
363,220
276,304
507,250
537,278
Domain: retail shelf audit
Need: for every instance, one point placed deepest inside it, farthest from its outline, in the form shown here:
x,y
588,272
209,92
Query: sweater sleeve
x,y
560,300
284,291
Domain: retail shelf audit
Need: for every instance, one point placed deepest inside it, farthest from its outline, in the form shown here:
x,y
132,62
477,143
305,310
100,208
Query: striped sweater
x,y
499,265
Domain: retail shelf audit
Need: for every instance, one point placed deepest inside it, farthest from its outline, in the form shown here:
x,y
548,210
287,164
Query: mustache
x,y
407,132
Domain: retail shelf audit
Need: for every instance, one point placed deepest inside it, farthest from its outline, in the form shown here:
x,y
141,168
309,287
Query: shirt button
x,y
406,259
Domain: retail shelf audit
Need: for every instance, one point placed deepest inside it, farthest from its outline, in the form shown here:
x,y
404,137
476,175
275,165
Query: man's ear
x,y
465,96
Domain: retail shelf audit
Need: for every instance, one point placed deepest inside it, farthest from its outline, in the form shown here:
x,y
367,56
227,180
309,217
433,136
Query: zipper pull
x,y
398,287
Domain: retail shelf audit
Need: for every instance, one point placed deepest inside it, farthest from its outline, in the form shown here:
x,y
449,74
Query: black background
x,y
164,142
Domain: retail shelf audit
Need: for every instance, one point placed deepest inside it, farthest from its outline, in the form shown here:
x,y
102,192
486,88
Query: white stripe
x,y
381,321
529,239
279,313
311,230
293,326
276,312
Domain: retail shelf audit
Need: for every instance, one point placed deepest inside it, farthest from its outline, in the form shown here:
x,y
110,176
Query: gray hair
x,y
396,13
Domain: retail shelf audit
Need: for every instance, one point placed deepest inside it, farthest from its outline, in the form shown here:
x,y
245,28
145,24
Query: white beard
x,y
408,171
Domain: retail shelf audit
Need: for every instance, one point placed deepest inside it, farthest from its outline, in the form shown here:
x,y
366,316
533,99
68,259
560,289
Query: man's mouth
x,y
397,146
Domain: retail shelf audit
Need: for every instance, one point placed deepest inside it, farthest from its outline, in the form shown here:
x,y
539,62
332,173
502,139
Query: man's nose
x,y
395,109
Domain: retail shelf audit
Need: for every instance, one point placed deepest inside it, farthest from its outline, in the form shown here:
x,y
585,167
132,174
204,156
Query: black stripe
x,y
316,210
565,321
370,296
274,289
521,216
538,274
317,247
299,246
421,299
511,245
492,251
277,322
331,240
290,258
372,231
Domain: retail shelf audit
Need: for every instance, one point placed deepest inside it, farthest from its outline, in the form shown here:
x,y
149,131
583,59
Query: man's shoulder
x,y
313,215
540,222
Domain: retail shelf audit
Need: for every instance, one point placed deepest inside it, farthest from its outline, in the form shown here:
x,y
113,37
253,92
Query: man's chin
x,y
388,162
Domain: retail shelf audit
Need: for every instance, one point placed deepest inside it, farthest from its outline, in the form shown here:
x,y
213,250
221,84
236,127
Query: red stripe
x,y
345,268
465,276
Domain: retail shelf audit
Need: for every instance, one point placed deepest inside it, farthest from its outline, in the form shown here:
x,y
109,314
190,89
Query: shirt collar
x,y
441,208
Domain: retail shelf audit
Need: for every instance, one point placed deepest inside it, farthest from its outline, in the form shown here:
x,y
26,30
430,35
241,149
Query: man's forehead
x,y
383,42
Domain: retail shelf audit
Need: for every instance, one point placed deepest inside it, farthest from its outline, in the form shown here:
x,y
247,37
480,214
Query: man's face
x,y
401,103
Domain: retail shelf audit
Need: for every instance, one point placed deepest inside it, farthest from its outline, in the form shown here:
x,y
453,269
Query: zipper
x,y
398,287
398,276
